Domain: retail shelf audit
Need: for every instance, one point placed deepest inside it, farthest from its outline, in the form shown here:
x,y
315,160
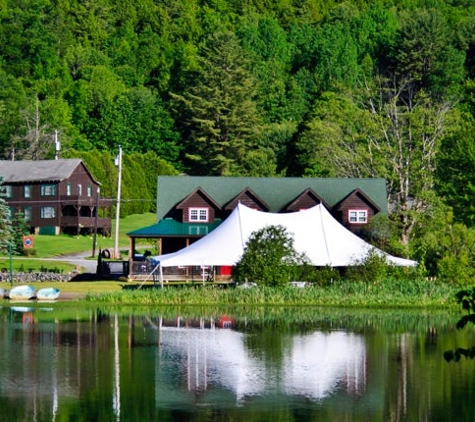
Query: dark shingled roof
x,y
38,170
277,192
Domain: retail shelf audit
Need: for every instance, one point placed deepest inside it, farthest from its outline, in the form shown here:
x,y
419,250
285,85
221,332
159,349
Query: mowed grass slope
x,y
50,246
57,246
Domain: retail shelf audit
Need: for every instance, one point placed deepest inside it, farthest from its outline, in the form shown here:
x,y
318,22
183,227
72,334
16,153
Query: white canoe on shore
x,y
21,293
48,293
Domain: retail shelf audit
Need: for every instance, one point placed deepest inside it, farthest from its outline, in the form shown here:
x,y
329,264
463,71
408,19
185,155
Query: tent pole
x,y
240,225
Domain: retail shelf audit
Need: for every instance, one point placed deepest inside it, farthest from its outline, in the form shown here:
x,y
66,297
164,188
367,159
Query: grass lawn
x,y
25,265
46,246
82,286
50,246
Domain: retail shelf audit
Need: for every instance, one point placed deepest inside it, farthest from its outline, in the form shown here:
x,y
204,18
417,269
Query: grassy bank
x,y
47,246
24,265
390,293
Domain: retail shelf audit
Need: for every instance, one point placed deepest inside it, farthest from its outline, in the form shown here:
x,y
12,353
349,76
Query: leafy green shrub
x,y
445,249
449,254
375,268
269,258
382,232
456,270
467,299
372,269
321,276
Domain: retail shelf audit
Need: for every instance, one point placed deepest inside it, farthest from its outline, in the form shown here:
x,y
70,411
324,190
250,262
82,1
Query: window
x,y
28,213
48,212
358,216
89,191
197,230
27,191
79,190
69,189
198,214
8,190
48,190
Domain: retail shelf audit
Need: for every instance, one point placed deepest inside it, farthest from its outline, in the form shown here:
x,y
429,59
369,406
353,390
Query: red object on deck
x,y
226,270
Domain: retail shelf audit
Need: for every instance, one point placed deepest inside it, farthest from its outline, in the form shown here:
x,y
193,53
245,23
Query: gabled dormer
x,y
355,210
307,199
248,198
197,207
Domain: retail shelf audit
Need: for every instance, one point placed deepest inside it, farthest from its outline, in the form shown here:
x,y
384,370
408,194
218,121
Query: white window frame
x,y
69,189
48,212
356,216
198,214
89,191
79,189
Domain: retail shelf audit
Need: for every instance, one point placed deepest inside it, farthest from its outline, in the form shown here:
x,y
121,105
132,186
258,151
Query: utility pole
x,y
94,240
57,145
118,163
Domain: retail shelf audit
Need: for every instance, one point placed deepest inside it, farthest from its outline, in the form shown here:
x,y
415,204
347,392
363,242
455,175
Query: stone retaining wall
x,y
31,277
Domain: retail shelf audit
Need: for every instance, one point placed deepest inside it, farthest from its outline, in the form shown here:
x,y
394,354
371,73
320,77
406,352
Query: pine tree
x,y
6,233
219,112
19,229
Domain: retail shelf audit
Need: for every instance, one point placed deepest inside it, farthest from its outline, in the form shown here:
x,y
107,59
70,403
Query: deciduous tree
x,y
387,131
269,258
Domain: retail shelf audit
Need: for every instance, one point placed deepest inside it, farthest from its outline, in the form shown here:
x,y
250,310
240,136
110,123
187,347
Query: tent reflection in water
x,y
314,365
316,233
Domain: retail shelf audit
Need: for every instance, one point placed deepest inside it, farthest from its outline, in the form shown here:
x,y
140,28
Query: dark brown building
x,y
190,207
54,196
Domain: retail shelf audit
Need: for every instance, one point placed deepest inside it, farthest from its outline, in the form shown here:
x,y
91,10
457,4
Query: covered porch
x,y
168,236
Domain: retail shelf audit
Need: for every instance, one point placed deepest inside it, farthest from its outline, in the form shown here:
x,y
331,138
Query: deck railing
x,y
141,270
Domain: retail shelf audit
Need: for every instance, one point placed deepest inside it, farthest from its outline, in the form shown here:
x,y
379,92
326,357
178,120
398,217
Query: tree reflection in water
x,y
87,364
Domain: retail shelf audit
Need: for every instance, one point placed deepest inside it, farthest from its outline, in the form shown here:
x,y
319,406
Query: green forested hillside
x,y
256,87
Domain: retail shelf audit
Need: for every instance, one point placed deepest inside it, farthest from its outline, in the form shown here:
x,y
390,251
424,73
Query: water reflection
x,y
203,359
92,365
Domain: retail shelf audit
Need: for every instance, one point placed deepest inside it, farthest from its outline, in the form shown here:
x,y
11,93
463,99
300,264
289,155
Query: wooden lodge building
x,y
190,207
54,196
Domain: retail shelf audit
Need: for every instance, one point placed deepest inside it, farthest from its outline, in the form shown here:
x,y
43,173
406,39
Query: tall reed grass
x,y
394,293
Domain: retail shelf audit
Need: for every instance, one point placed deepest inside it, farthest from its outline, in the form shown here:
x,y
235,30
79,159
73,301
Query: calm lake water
x,y
299,364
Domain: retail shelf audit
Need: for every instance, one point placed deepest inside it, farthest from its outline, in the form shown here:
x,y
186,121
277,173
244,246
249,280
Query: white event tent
x,y
315,232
